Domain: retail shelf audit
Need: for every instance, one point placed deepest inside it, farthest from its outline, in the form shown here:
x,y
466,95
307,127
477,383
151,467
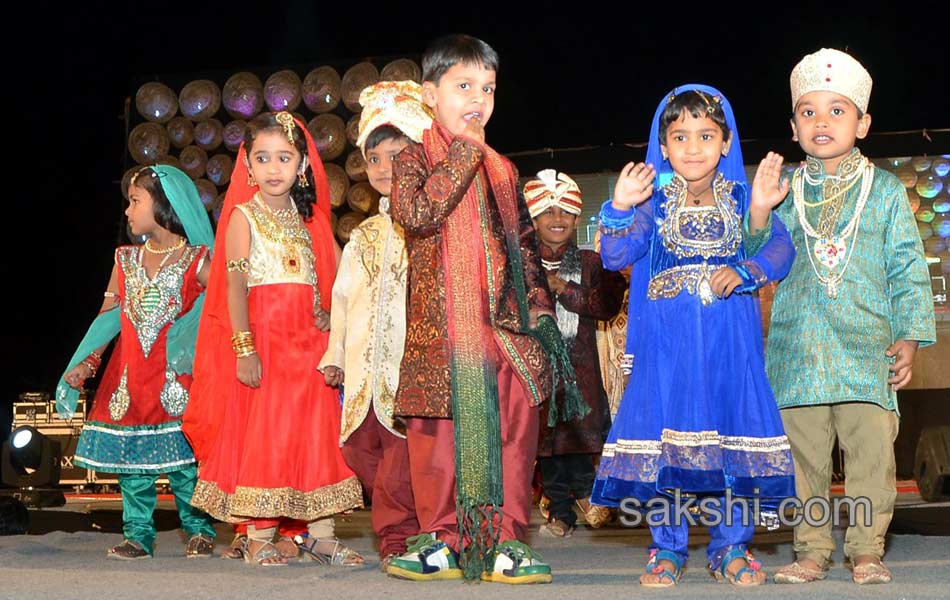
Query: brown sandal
x,y
128,550
199,546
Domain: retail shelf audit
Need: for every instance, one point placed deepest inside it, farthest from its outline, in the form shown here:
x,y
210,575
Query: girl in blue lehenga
x,y
698,415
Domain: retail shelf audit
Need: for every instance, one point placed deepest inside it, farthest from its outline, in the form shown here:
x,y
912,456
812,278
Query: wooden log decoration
x,y
339,184
322,89
356,166
181,132
194,161
362,198
355,80
148,143
401,69
209,134
207,192
348,223
333,220
353,129
329,135
219,169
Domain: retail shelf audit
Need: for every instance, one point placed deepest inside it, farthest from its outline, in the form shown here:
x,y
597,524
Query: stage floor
x,y
65,557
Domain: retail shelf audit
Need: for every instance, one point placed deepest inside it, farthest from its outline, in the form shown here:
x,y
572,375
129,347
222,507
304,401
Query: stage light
x,y
30,459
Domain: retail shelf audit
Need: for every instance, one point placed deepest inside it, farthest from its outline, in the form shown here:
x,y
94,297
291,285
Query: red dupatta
x,y
215,366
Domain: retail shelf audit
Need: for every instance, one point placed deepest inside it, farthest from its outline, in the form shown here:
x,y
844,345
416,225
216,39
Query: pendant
x,y
706,295
831,288
291,262
830,252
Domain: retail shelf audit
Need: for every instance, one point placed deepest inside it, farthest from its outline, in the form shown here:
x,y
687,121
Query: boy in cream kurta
x,y
368,322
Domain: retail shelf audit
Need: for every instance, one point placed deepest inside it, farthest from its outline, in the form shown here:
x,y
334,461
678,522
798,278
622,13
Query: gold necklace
x,y
169,250
290,255
833,197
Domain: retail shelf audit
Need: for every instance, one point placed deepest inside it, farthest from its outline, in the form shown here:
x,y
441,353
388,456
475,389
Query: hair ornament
x,y
286,120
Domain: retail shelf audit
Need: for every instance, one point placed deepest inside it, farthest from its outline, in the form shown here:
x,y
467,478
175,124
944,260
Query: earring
x,y
250,179
302,180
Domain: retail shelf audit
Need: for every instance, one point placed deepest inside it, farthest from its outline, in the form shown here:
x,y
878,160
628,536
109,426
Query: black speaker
x,y
932,464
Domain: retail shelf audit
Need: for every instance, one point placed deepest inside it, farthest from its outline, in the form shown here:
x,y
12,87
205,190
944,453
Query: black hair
x,y
150,180
302,196
698,104
381,134
448,51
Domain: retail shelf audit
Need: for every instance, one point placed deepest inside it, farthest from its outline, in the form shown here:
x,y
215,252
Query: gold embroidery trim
x,y
273,502
692,278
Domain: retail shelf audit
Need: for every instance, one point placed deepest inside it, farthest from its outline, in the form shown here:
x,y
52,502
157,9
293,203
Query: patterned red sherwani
x,y
423,196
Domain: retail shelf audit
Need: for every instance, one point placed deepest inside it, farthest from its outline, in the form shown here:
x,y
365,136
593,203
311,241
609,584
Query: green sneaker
x,y
427,559
517,564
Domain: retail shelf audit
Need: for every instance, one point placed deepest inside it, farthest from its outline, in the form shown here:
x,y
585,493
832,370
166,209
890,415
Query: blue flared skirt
x,y
698,414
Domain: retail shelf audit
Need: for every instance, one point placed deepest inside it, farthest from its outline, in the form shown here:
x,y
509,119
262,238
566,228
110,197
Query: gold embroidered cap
x,y
396,103
831,71
552,189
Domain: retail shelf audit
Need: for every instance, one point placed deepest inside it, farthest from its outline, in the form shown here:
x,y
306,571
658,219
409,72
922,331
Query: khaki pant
x,y
866,434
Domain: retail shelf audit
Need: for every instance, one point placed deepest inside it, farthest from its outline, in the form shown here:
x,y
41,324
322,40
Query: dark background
x,y
589,76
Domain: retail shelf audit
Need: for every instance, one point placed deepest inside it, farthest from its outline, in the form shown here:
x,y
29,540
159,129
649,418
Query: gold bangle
x,y
242,343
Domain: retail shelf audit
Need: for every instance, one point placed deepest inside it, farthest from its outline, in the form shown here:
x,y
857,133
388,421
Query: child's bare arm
x,y
422,198
237,250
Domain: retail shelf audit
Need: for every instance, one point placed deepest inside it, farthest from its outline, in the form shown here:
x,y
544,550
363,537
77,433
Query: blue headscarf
x,y
180,345
730,165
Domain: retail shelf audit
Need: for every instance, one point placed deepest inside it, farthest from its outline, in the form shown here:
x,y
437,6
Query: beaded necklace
x,y
831,250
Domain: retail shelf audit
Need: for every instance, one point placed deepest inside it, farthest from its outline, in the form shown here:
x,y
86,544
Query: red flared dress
x,y
276,453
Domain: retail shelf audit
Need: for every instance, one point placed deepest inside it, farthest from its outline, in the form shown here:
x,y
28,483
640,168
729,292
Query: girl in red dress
x,y
263,422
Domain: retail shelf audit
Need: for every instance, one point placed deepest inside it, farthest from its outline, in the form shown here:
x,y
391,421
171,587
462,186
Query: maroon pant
x,y
381,461
432,452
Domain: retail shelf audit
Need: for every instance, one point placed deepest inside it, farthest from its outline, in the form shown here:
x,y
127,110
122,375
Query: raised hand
x,y
474,130
634,185
768,187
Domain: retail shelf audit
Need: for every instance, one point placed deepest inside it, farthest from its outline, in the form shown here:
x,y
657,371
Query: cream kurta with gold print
x,y
368,321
